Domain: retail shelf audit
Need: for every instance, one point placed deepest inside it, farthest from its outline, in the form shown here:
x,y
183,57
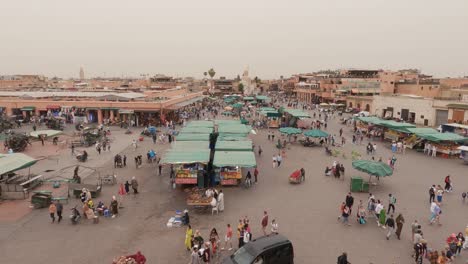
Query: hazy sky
x,y
187,37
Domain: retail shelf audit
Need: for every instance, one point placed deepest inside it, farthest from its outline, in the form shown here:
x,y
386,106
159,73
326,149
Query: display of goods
x,y
124,260
231,174
196,195
17,142
186,174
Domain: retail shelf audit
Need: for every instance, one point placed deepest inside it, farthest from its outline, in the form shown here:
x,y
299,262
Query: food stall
x,y
189,164
464,153
228,165
293,115
413,141
446,143
12,185
271,116
233,145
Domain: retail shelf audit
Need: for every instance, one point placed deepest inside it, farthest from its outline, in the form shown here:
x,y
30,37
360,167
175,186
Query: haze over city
x,y
185,38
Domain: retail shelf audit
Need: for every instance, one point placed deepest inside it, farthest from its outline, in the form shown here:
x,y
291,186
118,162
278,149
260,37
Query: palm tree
x,y
240,87
212,73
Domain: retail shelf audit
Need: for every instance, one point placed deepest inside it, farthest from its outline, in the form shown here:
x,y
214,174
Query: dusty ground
x,y
306,213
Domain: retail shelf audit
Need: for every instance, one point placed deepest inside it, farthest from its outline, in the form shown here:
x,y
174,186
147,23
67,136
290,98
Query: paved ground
x,y
306,213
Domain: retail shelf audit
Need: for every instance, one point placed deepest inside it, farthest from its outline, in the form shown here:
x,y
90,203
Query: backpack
x,y
431,191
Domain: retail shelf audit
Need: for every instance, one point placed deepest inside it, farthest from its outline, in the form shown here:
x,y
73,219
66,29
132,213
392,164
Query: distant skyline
x,y
115,38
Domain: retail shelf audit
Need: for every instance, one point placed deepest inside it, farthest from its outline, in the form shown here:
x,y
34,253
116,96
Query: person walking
x,y
256,175
52,210
399,222
274,227
260,151
160,169
432,191
134,185
264,222
59,208
228,238
345,215
448,183
349,201
279,159
414,228
391,203
127,187
390,224
343,259
274,161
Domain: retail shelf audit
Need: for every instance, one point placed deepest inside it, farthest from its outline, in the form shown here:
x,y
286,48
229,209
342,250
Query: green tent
x,y
227,122
237,105
421,130
193,137
245,159
233,145
262,98
234,129
14,162
438,137
189,145
48,133
395,125
317,133
196,130
186,156
248,98
290,130
296,112
233,137
200,123
262,109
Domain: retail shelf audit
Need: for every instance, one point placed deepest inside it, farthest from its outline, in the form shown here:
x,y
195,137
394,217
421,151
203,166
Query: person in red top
x,y
264,222
228,237
256,175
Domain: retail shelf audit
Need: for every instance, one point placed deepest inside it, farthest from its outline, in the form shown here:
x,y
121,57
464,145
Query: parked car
x,y
270,249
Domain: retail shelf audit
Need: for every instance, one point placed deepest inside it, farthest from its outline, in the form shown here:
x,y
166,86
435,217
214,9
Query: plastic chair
x,y
214,208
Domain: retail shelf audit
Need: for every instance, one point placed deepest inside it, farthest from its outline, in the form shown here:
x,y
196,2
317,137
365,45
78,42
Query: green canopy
x,y
186,156
437,137
196,130
232,137
248,98
234,129
237,105
233,146
48,133
189,145
200,123
296,112
395,125
262,98
421,130
245,159
375,168
290,130
14,162
263,109
193,137
315,133
227,122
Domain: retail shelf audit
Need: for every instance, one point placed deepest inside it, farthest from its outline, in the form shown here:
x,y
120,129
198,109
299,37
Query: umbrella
x,y
290,130
317,133
375,168
228,108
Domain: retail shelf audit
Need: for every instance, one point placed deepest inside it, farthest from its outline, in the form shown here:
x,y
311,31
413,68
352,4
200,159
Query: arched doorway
x,y
367,107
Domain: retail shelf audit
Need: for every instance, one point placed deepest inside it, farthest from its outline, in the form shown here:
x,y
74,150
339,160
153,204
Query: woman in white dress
x,y
221,201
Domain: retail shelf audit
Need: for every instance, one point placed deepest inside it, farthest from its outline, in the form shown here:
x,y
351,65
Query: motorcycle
x,y
75,216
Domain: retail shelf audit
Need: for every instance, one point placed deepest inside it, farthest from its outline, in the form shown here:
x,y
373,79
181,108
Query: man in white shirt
x,y
378,208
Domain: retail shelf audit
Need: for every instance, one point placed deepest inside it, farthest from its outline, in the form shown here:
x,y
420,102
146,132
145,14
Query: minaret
x,y
81,73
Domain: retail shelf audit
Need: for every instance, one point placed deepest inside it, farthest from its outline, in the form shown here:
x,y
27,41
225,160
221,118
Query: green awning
x,y
395,125
28,108
290,130
267,109
244,159
443,137
249,98
234,129
262,97
233,146
233,137
200,124
227,122
193,137
48,133
196,130
186,156
421,130
237,105
14,162
317,133
296,112
190,145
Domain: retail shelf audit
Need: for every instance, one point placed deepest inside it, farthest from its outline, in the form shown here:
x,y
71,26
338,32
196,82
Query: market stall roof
x,y
248,98
296,112
233,145
245,159
186,156
189,145
196,130
193,137
48,133
237,105
369,119
232,137
14,162
234,129
317,133
290,130
421,130
266,109
395,125
200,123
262,97
227,122
437,137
